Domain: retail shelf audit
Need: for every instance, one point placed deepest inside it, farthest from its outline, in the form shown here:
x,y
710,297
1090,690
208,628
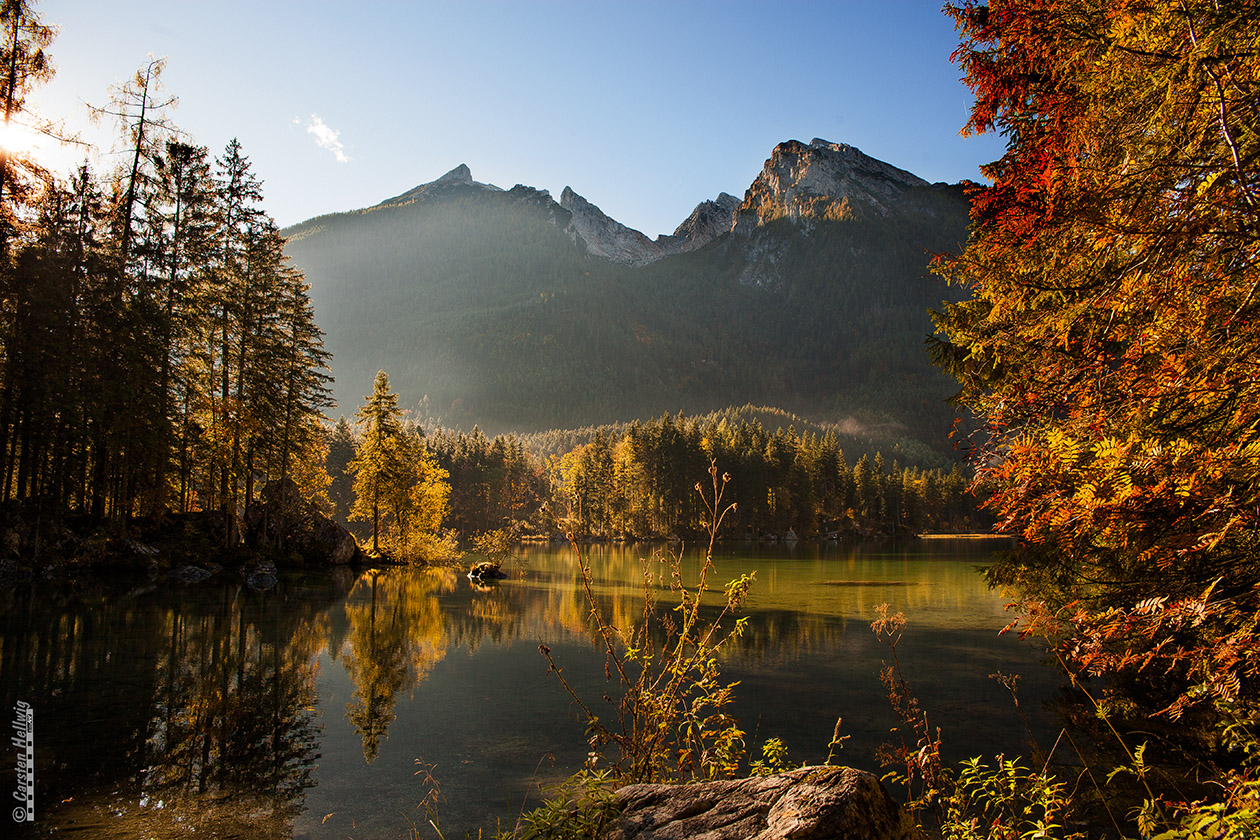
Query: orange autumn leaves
x,y
1111,341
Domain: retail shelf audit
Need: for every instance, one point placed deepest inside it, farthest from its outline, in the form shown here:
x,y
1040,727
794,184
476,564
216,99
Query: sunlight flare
x,y
16,138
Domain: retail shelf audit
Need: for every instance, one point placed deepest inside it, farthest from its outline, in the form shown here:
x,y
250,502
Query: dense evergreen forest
x,y
638,481
158,353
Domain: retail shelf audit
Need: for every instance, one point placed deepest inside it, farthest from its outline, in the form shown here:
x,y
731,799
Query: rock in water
x,y
486,570
819,803
191,574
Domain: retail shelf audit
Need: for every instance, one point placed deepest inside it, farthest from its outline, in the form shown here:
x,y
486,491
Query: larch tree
x,y
133,447
379,465
139,106
398,485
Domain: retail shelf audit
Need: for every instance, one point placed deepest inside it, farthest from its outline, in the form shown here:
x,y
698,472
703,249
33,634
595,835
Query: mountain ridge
x,y
515,311
799,181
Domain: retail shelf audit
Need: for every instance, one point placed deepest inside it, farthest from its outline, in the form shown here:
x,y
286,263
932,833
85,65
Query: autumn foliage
x,y
1111,342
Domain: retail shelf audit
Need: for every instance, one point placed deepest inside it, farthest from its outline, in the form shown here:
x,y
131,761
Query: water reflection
x,y
167,709
397,634
161,713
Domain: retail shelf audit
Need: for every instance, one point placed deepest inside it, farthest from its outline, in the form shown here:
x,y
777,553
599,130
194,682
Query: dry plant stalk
x,y
671,722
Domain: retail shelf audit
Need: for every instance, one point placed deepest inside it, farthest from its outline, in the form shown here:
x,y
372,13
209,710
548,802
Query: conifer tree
x,y
398,485
341,448
156,349
239,193
184,212
379,465
23,63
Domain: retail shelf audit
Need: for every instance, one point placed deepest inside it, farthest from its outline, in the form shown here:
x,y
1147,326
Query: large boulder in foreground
x,y
818,803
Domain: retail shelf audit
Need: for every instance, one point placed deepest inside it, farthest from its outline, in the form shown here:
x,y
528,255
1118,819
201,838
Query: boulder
x,y
261,576
284,518
818,803
191,574
486,570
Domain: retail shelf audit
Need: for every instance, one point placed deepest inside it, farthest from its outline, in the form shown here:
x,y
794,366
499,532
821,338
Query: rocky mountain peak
x,y
459,180
706,223
604,236
823,180
800,182
459,175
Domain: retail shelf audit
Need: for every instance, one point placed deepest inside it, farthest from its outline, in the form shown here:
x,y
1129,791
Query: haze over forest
x,y
512,310
342,421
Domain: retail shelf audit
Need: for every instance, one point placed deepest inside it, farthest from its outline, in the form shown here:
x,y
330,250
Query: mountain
x,y
608,238
512,310
828,181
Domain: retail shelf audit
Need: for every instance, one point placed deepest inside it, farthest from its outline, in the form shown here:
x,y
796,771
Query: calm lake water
x,y
166,709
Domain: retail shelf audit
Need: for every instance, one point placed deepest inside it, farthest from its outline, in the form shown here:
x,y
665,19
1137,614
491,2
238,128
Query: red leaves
x,y
1108,260
1209,647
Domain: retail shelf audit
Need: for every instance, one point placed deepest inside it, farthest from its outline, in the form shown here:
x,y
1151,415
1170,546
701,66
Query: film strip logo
x,y
24,739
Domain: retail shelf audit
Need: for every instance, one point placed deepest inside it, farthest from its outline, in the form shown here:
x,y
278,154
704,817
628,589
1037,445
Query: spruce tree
x,y
341,449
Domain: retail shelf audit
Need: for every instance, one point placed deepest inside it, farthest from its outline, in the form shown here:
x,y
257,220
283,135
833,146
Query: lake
x,y
333,704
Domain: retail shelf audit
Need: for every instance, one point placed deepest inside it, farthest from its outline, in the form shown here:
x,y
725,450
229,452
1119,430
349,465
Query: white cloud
x,y
327,138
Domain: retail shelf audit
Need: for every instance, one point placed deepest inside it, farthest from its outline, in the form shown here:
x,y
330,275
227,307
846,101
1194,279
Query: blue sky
x,y
644,108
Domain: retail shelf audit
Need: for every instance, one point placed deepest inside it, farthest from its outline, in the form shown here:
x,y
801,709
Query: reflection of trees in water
x,y
402,621
171,709
201,697
399,623
397,634
232,709
781,637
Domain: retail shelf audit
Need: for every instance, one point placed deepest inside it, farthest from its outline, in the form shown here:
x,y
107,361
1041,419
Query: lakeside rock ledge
x,y
810,803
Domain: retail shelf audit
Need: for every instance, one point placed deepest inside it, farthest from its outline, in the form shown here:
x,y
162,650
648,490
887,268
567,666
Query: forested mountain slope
x,y
510,311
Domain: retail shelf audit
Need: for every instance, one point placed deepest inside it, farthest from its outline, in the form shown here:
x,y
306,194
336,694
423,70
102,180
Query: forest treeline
x,y
638,481
157,351
159,354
